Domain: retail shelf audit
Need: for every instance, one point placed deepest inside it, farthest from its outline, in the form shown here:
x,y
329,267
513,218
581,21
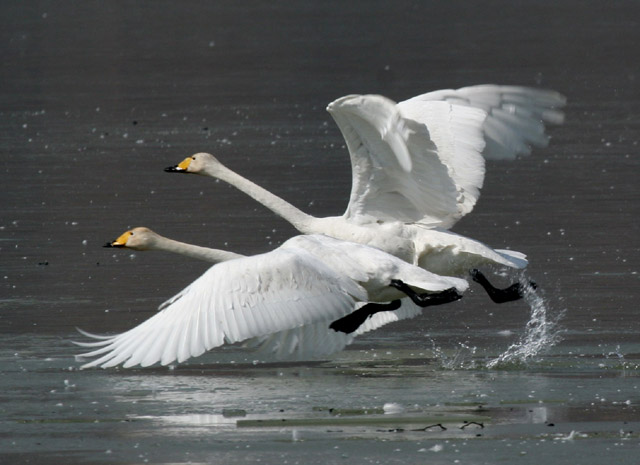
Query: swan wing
x,y
318,340
306,342
448,253
516,116
406,311
234,301
474,123
371,267
382,187
446,135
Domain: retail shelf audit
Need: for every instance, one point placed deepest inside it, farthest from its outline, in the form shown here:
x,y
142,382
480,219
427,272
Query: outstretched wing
x,y
406,311
306,342
366,265
318,340
234,301
385,186
516,115
447,135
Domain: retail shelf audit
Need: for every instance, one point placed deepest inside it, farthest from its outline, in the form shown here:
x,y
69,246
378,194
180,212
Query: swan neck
x,y
194,251
299,219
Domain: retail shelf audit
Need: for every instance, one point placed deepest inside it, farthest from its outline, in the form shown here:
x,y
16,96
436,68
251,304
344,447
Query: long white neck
x,y
299,219
193,251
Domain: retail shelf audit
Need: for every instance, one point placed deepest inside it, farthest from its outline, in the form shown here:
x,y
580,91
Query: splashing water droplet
x,y
541,332
461,358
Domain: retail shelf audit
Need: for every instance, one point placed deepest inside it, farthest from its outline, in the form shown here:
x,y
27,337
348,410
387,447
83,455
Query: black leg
x,y
499,296
351,322
426,300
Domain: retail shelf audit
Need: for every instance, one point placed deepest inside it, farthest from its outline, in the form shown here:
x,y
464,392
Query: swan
x,y
143,239
309,279
300,343
417,168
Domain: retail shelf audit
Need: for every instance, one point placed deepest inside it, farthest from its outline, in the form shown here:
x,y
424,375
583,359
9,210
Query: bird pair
x,y
417,168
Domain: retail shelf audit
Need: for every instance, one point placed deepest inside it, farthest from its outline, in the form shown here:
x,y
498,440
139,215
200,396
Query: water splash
x,y
462,358
541,332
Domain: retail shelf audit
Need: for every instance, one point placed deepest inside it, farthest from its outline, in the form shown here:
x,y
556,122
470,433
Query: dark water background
x,y
96,98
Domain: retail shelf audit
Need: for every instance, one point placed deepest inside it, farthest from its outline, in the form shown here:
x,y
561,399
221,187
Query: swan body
x,y
417,168
306,283
436,249
300,343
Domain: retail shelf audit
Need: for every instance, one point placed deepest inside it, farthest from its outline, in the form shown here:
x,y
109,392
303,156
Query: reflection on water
x,y
192,411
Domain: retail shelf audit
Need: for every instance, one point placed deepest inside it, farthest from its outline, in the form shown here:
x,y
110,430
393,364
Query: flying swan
x,y
417,168
310,279
300,343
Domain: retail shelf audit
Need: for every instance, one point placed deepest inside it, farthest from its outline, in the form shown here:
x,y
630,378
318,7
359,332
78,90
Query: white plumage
x,y
280,300
417,168
448,134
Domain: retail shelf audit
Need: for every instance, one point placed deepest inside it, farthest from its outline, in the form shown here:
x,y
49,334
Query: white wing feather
x,y
446,135
281,302
381,188
379,127
456,133
234,301
406,311
307,342
366,264
319,340
516,115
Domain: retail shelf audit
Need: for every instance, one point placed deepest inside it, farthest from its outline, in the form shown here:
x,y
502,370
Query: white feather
x,y
405,208
284,298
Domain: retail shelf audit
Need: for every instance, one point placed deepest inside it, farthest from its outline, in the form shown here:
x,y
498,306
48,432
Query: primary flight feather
x,y
307,282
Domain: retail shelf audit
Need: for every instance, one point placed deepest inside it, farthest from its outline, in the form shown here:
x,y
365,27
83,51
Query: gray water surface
x,y
97,98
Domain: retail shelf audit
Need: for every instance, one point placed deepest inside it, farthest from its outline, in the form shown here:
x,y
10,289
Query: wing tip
x,y
337,103
518,259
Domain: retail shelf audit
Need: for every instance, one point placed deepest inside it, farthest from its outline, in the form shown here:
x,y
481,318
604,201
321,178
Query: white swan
x,y
300,343
309,279
417,168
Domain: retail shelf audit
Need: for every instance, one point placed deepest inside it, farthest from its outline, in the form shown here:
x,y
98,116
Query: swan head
x,y
195,164
136,238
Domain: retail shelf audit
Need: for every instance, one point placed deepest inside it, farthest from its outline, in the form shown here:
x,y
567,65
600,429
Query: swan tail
x,y
518,259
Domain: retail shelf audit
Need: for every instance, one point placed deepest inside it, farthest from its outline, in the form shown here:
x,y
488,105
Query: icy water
x,y
98,97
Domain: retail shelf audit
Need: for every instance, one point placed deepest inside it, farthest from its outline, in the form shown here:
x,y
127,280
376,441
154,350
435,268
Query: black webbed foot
x,y
427,299
514,292
352,321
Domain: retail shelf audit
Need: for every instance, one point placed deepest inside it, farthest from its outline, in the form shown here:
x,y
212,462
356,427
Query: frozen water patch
x,y
541,331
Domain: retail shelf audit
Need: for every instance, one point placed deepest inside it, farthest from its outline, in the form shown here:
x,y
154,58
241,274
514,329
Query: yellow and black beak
x,y
119,242
180,167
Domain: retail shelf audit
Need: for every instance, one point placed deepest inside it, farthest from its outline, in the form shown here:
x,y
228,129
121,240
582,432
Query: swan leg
x,y
426,300
514,292
352,321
